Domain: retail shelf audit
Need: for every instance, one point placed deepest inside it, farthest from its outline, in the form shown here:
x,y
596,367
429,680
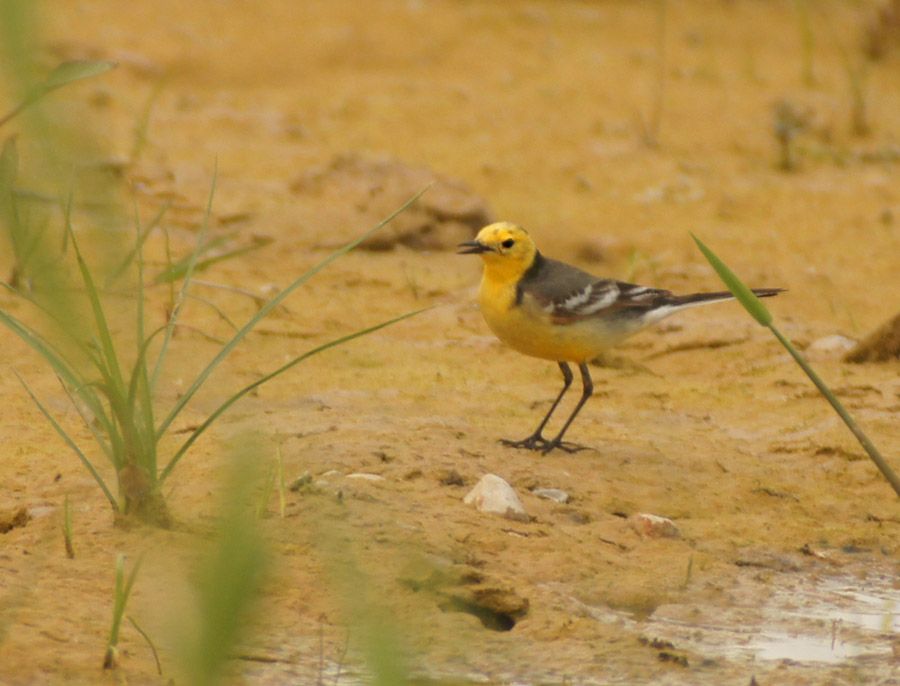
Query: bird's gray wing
x,y
569,294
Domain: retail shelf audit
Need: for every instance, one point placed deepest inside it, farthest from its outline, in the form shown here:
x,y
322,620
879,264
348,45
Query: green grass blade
x,y
9,165
268,307
179,269
282,495
142,125
271,375
71,443
76,70
9,212
376,631
138,381
102,437
68,376
117,597
132,578
107,346
139,392
144,235
762,315
228,580
855,429
139,309
182,293
122,593
744,295
65,73
54,358
115,449
215,308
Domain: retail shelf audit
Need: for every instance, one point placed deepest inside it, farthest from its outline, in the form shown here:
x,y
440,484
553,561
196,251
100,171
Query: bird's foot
x,y
533,442
565,446
540,444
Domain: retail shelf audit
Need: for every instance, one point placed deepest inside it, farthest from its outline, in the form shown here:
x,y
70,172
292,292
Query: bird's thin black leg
x,y
536,441
587,391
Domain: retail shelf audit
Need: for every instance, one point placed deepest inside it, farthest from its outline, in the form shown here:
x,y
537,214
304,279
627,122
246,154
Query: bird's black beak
x,y
472,248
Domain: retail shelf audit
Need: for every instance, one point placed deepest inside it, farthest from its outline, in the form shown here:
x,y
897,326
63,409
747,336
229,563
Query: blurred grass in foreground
x,y
376,634
228,580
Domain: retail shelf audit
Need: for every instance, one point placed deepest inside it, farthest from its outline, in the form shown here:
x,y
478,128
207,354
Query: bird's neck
x,y
500,269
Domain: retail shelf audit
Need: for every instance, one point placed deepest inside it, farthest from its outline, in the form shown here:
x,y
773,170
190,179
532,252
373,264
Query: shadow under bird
x,y
554,311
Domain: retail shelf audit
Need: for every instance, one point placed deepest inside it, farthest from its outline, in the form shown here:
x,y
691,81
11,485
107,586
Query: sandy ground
x,y
543,111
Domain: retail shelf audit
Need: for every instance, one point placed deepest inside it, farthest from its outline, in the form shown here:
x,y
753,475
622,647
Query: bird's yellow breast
x,y
526,327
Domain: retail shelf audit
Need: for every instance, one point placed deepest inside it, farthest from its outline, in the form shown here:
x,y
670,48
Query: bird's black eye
x,y
508,243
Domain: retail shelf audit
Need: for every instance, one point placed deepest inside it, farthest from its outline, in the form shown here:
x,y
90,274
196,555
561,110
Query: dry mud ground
x,y
786,565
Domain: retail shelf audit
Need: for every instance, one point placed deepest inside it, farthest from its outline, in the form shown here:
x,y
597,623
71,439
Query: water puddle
x,y
789,617
762,621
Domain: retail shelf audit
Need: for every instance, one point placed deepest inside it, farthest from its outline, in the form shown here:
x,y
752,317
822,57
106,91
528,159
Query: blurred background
x,y
610,130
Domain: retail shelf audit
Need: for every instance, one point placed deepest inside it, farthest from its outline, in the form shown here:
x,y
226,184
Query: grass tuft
x,y
120,601
80,294
114,388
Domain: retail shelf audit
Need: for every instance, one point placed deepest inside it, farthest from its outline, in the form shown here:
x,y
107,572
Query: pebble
x,y
834,344
304,479
365,476
555,494
654,526
452,478
492,494
39,511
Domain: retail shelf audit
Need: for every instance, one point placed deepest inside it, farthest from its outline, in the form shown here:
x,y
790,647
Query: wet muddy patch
x,y
780,617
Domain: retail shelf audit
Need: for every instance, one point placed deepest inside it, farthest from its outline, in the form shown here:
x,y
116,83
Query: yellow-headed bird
x,y
552,310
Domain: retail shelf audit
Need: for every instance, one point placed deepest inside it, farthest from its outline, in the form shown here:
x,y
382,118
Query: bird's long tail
x,y
681,301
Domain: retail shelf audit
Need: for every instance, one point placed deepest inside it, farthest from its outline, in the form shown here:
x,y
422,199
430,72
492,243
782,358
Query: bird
x,y
551,310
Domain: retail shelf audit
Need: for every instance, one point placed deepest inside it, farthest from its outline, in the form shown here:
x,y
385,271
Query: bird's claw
x,y
540,444
534,442
565,446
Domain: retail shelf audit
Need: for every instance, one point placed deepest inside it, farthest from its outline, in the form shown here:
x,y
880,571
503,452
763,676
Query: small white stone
x,y
365,476
555,494
834,344
39,511
654,526
492,494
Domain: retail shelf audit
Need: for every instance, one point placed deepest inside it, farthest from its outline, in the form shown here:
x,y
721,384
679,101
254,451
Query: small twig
x,y
146,637
215,308
321,650
67,528
258,299
689,573
340,662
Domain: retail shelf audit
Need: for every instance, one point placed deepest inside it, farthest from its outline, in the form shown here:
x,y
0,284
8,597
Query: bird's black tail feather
x,y
701,298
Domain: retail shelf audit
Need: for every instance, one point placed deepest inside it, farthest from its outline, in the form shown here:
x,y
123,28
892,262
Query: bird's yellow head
x,y
507,249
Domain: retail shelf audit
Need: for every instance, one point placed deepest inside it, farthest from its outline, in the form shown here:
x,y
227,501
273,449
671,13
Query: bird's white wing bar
x,y
606,294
